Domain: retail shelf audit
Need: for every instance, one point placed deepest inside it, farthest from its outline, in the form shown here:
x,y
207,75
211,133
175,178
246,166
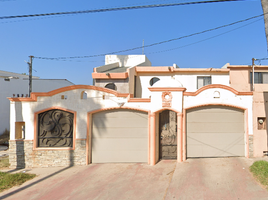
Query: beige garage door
x,y
215,131
120,136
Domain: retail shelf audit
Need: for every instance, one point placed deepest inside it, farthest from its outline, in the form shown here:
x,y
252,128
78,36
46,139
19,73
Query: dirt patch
x,y
4,163
4,138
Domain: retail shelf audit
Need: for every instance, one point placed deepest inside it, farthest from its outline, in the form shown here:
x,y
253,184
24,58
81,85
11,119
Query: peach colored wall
x,y
152,139
260,136
157,137
240,80
259,110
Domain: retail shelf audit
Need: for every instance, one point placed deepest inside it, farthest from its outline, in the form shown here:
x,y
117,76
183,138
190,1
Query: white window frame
x,y
204,81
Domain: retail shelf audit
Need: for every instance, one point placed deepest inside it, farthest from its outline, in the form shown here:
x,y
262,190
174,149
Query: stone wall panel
x,y
21,155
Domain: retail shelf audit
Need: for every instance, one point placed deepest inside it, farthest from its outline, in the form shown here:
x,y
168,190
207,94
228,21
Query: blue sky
x,y
100,33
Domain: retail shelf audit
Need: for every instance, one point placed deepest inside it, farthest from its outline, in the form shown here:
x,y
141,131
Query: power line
x,y
261,59
115,9
203,39
53,16
153,44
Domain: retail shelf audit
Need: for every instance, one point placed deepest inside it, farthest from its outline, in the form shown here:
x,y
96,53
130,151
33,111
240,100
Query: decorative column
x,y
152,139
184,135
89,139
179,137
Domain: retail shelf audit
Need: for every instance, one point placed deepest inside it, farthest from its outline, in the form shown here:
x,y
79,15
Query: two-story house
x,y
135,112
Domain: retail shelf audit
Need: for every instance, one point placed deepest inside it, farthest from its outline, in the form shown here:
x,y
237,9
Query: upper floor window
x,y
111,86
203,80
153,80
259,77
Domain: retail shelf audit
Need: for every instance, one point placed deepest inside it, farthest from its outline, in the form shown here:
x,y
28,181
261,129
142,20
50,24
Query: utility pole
x,y
253,63
30,74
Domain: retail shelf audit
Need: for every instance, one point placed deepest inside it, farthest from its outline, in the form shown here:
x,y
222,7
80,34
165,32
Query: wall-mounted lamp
x,y
261,123
107,74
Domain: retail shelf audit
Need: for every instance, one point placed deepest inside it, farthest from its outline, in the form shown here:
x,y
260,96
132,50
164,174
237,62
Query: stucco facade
x,y
165,95
152,113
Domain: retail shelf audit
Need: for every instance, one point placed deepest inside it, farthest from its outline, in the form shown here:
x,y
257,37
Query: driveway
x,y
210,178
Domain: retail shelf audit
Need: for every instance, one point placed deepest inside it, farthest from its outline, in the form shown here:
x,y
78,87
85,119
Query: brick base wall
x,y
21,155
250,142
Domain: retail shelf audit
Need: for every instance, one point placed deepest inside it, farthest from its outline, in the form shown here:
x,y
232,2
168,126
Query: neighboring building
x,y
17,85
241,80
136,114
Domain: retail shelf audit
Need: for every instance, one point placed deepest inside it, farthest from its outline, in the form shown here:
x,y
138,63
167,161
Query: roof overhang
x,y
96,75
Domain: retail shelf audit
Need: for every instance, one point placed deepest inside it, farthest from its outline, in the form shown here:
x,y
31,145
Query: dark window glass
x,y
153,80
259,77
203,80
110,86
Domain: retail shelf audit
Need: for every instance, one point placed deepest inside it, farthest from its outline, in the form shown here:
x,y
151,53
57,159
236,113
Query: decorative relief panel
x,y
55,128
166,99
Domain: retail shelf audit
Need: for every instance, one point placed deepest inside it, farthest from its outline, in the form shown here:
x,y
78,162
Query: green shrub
x,y
260,171
8,180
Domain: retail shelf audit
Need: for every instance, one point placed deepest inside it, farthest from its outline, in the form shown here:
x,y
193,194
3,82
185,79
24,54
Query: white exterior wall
x,y
98,100
145,84
128,60
156,101
24,111
188,81
20,110
21,86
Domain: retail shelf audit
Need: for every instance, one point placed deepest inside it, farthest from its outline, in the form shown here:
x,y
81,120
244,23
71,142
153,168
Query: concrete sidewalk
x,y
213,178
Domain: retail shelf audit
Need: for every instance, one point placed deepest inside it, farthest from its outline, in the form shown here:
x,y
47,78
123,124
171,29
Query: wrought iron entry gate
x,y
168,134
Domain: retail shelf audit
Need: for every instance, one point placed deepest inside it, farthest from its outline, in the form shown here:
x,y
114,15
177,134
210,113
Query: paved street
x,y
214,178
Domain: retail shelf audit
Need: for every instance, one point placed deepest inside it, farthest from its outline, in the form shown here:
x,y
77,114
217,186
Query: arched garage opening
x,y
119,135
215,131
